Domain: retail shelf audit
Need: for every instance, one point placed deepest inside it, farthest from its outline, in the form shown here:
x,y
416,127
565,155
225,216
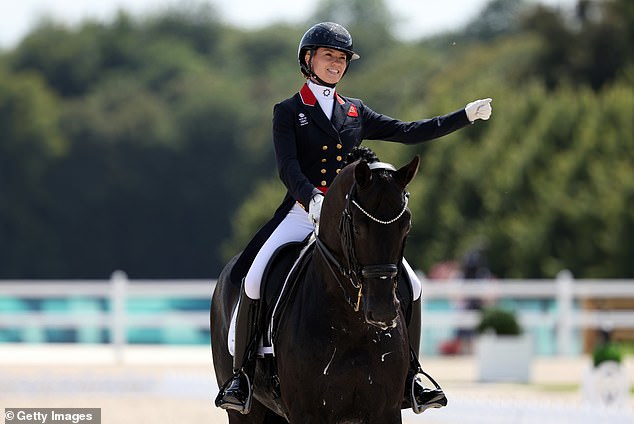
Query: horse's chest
x,y
375,364
337,356
354,384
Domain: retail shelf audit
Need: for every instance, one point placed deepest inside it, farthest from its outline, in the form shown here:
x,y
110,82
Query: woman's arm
x,y
381,127
289,170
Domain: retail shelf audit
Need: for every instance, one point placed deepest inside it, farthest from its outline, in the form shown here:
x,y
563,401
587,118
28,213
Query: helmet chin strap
x,y
319,80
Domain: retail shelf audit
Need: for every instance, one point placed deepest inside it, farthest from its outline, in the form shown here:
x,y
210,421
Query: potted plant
x,y
606,382
606,352
503,351
499,321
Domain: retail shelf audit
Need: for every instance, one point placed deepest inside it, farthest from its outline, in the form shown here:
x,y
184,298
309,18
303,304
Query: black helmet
x,y
324,34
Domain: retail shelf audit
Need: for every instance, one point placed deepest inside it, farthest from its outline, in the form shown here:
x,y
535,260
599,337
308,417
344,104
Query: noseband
x,y
351,269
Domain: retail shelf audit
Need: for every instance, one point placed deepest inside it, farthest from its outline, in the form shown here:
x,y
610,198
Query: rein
x,y
332,261
352,270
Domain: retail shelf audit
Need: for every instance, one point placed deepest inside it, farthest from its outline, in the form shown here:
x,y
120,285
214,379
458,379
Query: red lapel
x,y
308,98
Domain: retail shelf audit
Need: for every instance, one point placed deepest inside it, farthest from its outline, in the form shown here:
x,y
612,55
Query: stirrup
x,y
236,393
426,398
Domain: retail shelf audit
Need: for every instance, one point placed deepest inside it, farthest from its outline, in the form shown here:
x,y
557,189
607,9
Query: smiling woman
x,y
329,63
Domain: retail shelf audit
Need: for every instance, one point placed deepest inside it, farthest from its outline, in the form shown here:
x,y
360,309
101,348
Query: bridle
x,y
350,268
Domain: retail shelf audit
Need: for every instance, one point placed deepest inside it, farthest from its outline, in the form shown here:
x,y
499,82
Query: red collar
x,y
309,99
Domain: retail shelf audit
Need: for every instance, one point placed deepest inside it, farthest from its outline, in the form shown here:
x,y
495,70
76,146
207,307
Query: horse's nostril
x,y
382,325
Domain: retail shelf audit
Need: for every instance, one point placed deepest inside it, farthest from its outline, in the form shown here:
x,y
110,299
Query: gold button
x,y
324,147
339,146
338,170
323,183
339,158
323,160
323,171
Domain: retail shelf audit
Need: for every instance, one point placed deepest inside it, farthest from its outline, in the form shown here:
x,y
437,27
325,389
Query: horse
x,y
341,343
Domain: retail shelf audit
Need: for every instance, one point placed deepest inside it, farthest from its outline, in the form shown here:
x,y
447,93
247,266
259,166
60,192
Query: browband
x,y
381,165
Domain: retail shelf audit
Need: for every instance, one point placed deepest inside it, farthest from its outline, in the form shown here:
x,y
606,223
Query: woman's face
x,y
328,64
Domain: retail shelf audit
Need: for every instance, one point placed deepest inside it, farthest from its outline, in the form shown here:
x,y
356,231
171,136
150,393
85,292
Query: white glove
x,y
479,109
314,208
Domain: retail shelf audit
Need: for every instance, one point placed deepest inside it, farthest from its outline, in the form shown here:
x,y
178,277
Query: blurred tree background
x,y
145,144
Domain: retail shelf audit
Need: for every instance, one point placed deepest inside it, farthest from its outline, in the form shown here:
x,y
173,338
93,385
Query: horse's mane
x,y
361,153
366,154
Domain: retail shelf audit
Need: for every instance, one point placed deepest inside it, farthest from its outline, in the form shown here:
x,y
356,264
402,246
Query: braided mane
x,y
361,153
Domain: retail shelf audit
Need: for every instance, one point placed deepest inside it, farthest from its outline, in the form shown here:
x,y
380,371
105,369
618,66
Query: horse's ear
x,y
406,174
362,173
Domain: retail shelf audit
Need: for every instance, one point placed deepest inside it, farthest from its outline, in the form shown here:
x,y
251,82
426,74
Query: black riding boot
x,y
417,396
237,393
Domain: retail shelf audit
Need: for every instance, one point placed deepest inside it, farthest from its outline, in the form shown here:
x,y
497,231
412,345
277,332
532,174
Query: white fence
x,y
564,319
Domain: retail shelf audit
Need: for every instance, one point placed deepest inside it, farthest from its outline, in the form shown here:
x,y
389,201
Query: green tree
x,y
498,17
30,141
69,62
593,50
145,144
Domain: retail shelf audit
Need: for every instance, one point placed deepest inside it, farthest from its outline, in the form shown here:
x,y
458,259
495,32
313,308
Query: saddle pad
x,y
281,269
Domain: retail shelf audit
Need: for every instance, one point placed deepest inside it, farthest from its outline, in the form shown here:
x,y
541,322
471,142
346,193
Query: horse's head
x,y
363,227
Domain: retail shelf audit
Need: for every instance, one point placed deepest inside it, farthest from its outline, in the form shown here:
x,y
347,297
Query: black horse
x,y
341,345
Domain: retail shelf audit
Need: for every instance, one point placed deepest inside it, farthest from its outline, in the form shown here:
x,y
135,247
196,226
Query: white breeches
x,y
293,228
417,287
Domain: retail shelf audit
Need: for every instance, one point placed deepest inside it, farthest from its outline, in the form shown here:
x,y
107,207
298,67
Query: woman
x,y
312,133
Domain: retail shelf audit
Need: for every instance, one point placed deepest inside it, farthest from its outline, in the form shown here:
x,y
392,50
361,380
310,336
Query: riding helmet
x,y
324,34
